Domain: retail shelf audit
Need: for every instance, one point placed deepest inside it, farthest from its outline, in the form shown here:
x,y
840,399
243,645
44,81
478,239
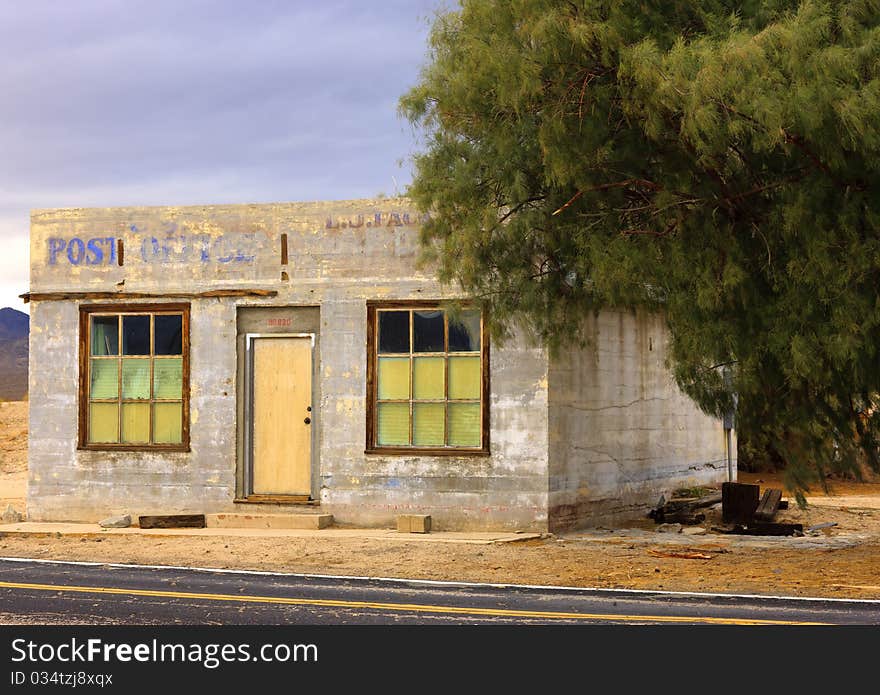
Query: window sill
x,y
414,451
146,449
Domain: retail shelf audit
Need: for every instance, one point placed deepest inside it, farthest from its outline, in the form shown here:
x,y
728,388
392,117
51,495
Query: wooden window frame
x,y
372,447
157,308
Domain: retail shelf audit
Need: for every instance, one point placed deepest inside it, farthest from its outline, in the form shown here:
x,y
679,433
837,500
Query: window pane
x,y
168,334
393,421
393,378
103,422
429,424
428,331
135,335
105,335
105,379
393,331
464,334
168,378
136,379
464,377
428,378
167,423
464,424
136,422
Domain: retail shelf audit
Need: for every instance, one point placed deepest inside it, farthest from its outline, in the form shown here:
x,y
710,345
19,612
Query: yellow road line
x,y
412,607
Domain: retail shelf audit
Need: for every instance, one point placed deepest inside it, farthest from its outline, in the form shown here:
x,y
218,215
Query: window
x,y
134,376
427,380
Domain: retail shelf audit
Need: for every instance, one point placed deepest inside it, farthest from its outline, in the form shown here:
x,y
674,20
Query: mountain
x,y
14,330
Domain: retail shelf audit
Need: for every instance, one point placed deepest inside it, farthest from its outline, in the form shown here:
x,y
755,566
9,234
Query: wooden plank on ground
x,y
769,528
769,505
172,521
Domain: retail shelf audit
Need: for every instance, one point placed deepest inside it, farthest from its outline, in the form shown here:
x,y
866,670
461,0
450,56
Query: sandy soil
x,y
13,454
843,560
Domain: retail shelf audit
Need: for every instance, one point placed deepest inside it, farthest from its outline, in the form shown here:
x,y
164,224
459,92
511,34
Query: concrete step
x,y
304,520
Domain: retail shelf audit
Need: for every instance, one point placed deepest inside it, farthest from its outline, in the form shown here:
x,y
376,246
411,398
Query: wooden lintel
x,y
127,296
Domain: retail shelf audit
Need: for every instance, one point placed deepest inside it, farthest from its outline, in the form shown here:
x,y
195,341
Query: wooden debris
x,y
172,521
763,528
682,554
738,502
682,510
681,517
769,505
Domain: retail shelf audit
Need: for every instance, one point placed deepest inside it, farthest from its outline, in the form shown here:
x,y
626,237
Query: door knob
x,y
308,421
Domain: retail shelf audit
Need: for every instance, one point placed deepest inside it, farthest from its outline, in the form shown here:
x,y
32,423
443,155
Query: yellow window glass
x,y
168,378
136,378
135,423
103,422
393,378
464,424
393,424
429,424
168,423
428,378
104,379
464,377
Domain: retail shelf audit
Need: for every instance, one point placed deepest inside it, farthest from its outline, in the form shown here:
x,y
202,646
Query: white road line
x,y
440,583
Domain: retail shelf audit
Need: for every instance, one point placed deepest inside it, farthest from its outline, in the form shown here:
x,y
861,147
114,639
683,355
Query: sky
x,y
176,102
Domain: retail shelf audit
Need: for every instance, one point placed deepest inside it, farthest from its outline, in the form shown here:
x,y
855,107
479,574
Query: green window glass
x,y
168,378
135,385
428,390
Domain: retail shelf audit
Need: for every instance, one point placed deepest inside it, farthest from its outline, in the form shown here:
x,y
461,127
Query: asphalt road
x,y
40,592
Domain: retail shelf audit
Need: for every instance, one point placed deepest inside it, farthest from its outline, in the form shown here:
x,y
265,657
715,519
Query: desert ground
x,y
837,561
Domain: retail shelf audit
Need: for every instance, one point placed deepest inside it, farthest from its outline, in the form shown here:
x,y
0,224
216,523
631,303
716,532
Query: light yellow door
x,y
282,416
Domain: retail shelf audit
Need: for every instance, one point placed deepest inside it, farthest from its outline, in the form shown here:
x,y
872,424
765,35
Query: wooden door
x,y
282,453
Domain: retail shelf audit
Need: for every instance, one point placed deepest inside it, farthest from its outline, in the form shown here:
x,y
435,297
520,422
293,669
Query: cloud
x,y
122,102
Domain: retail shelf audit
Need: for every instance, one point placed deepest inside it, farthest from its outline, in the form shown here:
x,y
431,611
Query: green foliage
x,y
717,161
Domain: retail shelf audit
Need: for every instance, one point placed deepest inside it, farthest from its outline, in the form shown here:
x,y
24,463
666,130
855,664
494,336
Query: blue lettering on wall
x,y
169,244
76,249
95,255
187,248
56,246
91,251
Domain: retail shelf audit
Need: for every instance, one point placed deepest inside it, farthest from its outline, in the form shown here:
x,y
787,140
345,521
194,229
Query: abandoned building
x,y
293,358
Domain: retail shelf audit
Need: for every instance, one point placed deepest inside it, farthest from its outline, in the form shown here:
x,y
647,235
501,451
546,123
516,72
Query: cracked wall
x,y
621,432
340,255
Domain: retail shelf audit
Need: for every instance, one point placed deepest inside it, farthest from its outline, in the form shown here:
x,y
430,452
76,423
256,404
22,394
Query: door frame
x,y
249,419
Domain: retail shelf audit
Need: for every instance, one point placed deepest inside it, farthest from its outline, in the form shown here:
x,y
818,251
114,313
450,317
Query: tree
x,y
715,161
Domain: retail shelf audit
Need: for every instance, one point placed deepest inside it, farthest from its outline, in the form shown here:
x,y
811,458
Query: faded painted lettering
x,y
78,251
170,249
378,219
188,248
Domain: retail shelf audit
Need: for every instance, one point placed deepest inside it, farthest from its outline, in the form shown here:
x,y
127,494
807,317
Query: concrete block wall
x,y
507,489
67,484
340,255
621,432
